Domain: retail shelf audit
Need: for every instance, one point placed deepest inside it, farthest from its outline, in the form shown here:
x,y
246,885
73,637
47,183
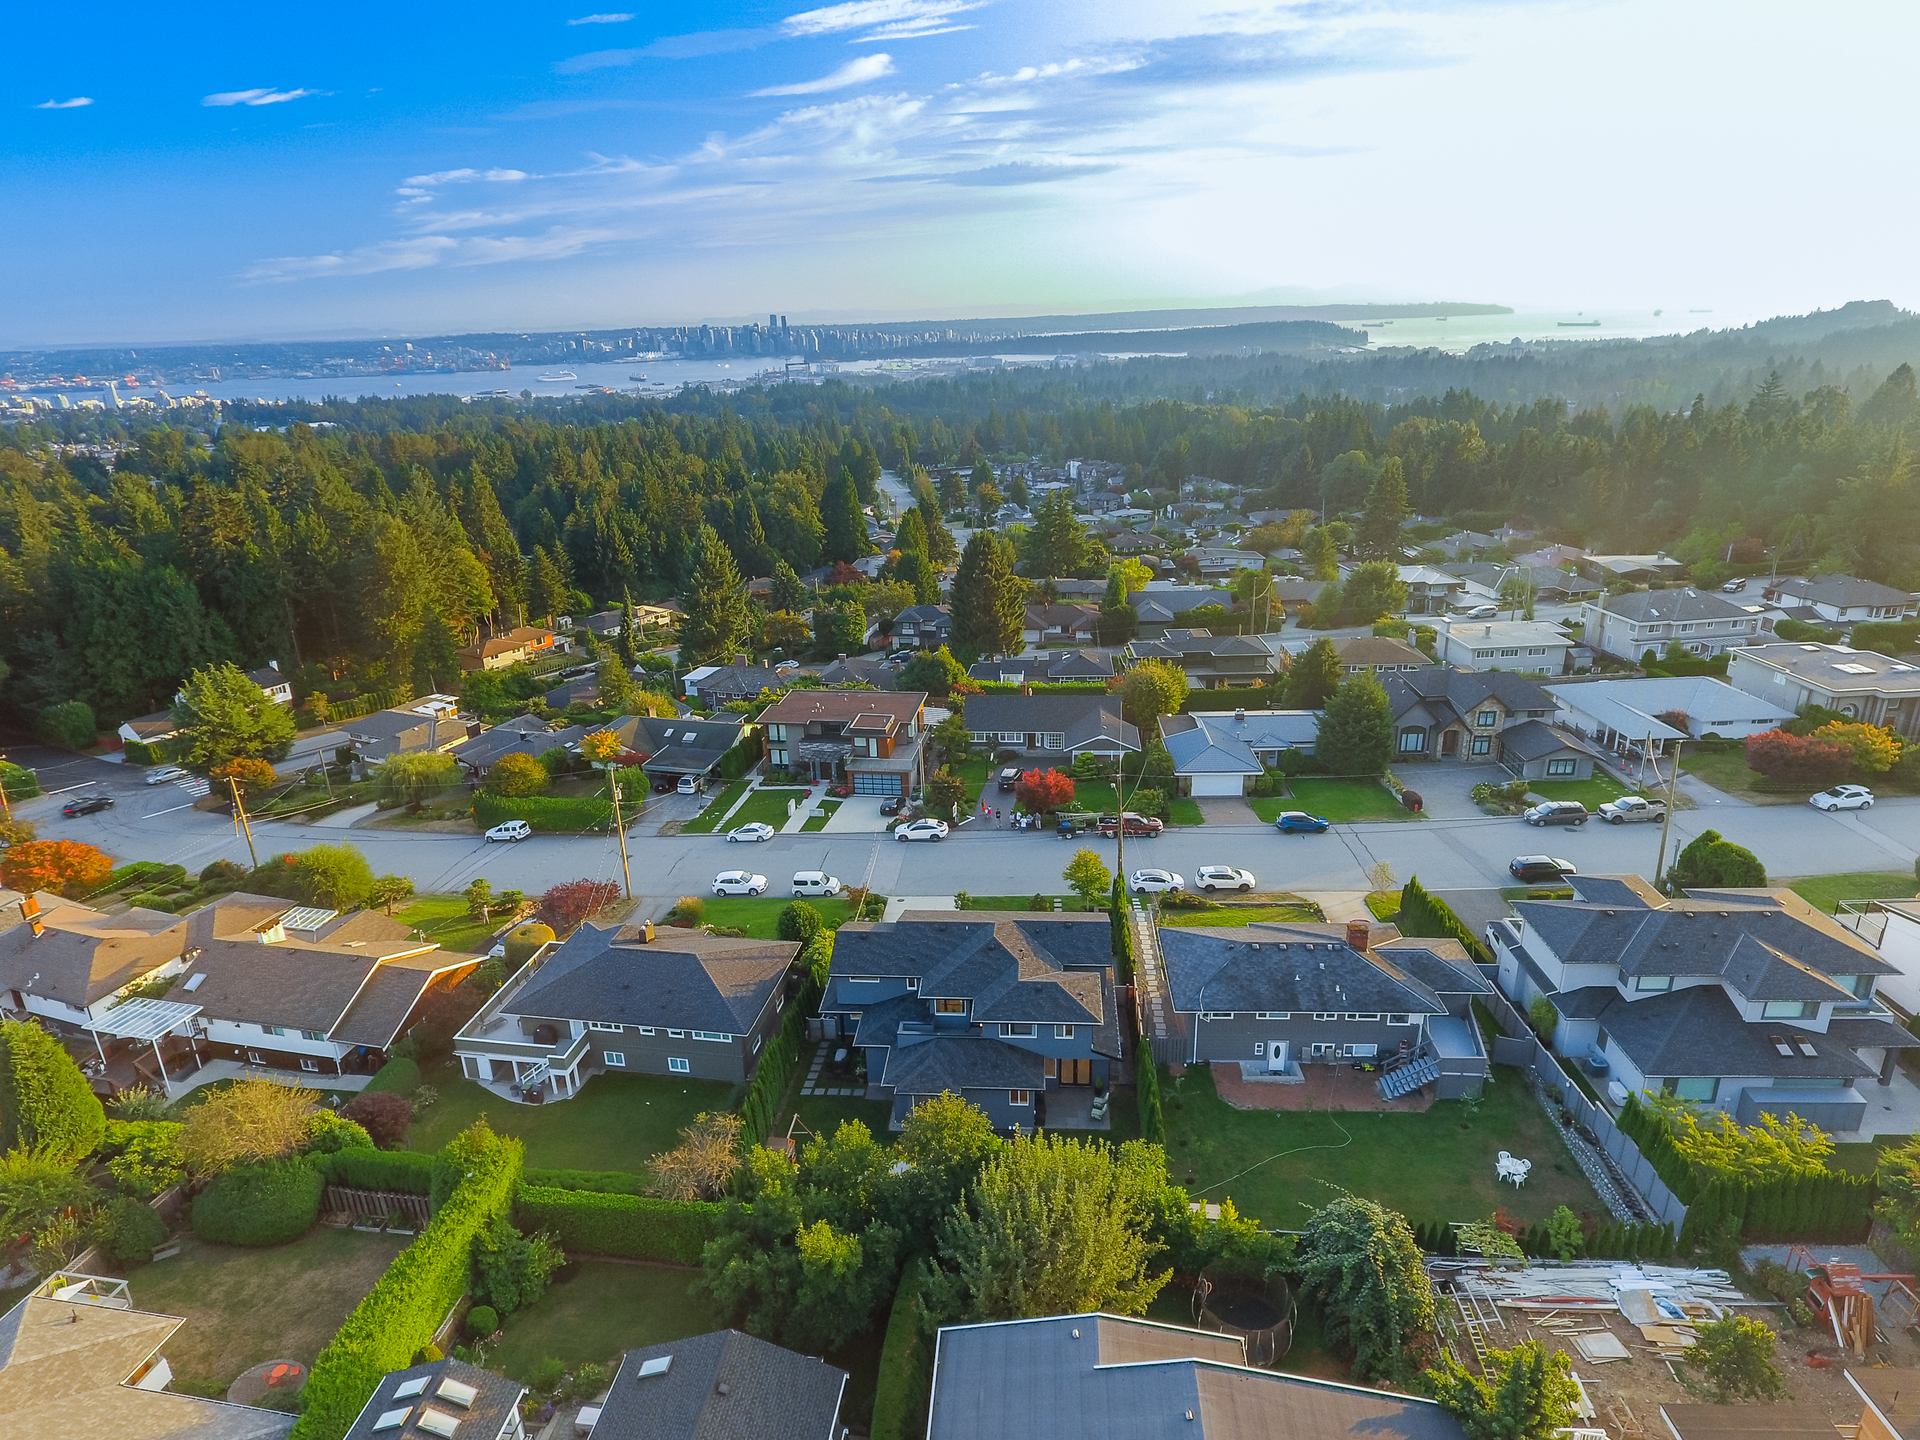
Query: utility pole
x,y
626,874
240,820
6,805
1666,822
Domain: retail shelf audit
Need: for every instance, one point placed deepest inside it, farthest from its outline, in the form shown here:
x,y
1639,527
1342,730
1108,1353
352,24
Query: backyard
x,y
616,1122
1337,800
1278,1165
595,1309
245,1306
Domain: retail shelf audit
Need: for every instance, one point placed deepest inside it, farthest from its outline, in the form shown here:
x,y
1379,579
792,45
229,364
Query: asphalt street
x,y
159,823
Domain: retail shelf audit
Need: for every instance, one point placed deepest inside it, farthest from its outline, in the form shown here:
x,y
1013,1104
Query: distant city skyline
x,y
425,170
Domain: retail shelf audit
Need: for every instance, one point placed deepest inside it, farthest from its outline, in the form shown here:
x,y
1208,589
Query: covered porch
x,y
145,1035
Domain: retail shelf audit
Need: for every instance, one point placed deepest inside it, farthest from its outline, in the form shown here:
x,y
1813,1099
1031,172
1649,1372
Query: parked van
x,y
816,885
1558,812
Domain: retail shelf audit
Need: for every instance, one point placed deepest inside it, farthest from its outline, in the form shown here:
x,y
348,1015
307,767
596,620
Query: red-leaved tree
x,y
64,865
567,904
382,1114
1800,760
1044,790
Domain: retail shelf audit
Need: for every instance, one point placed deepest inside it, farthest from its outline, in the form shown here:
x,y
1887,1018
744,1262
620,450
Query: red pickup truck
x,y
1143,827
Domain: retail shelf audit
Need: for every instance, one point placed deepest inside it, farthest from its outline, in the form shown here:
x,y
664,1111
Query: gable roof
x,y
1844,592
1076,664
1377,650
494,1402
1013,966
1224,743
1630,706
684,979
722,1386
82,955
860,670
1659,606
1537,739
1449,693
1084,714
1302,967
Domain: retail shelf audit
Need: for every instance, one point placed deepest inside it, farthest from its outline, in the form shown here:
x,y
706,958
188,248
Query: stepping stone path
x,y
811,1085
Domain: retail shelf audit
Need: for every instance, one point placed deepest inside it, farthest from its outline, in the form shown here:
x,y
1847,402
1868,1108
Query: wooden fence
x,y
378,1205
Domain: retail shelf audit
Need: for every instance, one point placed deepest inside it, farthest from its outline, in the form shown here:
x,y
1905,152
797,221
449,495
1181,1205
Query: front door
x,y
1076,1072
1449,744
1276,1057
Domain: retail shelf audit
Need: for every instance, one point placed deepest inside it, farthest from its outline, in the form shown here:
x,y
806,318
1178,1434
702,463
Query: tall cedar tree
x,y
1356,731
1314,675
846,537
1057,543
1379,536
788,593
46,1104
941,546
989,600
224,716
718,618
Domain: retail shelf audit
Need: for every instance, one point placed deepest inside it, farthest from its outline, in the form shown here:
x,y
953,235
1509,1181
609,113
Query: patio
x,y
1321,1087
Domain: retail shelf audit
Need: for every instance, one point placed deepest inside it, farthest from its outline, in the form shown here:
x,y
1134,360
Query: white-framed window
x,y
1509,654
603,1025
677,1065
313,1034
1326,1014
1653,982
1063,1032
1216,1015
615,1057
1412,741
714,1035
1273,1014
1259,1048
676,1034
1483,654
253,1058
1562,767
1053,740
1019,1097
1399,1019
1686,629
913,982
646,1030
1017,1031
758,1041
1790,1009
306,1064
273,1029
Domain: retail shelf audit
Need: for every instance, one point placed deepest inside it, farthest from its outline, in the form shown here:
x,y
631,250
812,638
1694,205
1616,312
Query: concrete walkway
x,y
346,819
217,1070
808,806
1340,904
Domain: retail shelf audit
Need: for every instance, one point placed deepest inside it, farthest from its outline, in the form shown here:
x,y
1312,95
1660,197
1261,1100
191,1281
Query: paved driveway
x,y
1446,791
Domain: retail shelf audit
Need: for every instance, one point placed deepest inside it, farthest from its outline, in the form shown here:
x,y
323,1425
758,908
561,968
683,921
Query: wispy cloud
x,y
426,251
74,104
881,19
450,177
1022,172
264,96
902,16
601,20
854,72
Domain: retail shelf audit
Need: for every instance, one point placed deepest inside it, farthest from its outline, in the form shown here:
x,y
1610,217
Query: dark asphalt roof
x,y
81,954
1536,739
1013,966
1697,1031
1443,966
1445,692
493,1405
1289,967
685,980
998,712
929,1065
1623,892
722,1386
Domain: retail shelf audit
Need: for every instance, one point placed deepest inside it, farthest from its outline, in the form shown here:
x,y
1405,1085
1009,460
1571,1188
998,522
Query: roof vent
x,y
1239,712
1076,1334
721,1389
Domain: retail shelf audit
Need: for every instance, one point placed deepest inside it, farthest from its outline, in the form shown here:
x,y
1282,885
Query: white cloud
x,y
425,252
601,20
450,177
854,72
859,14
74,104
264,96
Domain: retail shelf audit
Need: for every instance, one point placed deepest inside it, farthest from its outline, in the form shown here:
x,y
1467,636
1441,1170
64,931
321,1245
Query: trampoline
x,y
1260,1309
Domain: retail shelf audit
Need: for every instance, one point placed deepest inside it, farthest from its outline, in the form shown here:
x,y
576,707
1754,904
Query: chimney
x,y
1357,935
1489,630
30,912
740,659
1240,712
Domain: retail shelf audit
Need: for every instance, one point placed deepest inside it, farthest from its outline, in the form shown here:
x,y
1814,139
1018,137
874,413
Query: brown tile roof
x,y
81,954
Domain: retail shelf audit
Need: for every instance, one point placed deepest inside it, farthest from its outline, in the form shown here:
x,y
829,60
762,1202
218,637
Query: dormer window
x,y
1653,982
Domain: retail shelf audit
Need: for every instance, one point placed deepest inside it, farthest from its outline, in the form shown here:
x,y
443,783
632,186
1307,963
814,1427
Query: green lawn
x,y
1241,915
818,820
759,915
444,918
616,1122
1860,1157
1824,892
1591,793
977,771
1728,772
1435,1165
1025,902
1335,800
1182,811
769,806
703,823
596,1309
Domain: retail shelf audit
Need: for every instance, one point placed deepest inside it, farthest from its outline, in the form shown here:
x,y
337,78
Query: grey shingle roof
x,y
1443,966
684,980
1844,592
1081,719
958,1063
1285,967
1684,604
1224,743
723,1386
1696,1031
1450,694
1536,739
82,955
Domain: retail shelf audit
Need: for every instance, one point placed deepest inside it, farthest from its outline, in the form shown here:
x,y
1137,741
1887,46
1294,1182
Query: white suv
x,y
739,882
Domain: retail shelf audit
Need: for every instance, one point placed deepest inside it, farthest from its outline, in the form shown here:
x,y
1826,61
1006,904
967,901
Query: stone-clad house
x,y
1013,1010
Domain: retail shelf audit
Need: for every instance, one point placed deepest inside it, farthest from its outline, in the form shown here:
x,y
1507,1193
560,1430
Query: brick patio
x,y
1326,1087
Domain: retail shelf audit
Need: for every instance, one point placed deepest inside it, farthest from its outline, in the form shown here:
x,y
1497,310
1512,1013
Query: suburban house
x,y
1747,1001
1861,684
1220,563
630,999
442,1398
159,726
1892,927
1212,662
75,1346
430,722
717,685
1046,666
522,643
1842,599
1163,602
1051,727
1293,596
1633,569
1096,1376
522,735
1535,647
582,690
874,738
1275,996
669,746
1014,1010
1378,654
868,670
724,1384
1551,584
1440,713
1060,625
69,964
607,624
922,627
1215,753
1431,591
1465,542
1700,621
1646,714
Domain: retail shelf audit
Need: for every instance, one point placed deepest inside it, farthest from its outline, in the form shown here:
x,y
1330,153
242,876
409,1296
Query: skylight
x,y
1854,669
194,981
393,1419
656,1366
458,1392
415,1386
437,1422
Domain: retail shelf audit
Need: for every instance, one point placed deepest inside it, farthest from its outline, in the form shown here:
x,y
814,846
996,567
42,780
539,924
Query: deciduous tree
x,y
1732,1359
65,866
565,905
515,775
251,775
699,1167
1087,875
250,1121
1043,791
1526,1393
934,671
389,890
1359,1262
1356,729
1800,760
414,777
1151,689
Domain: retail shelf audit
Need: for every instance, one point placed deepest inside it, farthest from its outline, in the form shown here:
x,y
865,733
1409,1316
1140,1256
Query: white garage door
x,y
1216,784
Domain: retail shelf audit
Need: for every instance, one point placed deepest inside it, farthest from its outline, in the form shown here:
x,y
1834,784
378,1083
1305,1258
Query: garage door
x,y
876,784
1216,784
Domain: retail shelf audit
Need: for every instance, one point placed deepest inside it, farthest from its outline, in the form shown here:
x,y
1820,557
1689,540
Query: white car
x,y
739,882
509,830
755,830
164,774
1142,882
1222,877
1481,612
688,785
922,830
1843,797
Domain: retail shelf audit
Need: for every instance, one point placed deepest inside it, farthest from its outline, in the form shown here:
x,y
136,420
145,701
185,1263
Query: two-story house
x,y
630,999
1843,599
1861,684
159,727
1212,662
922,627
1533,647
1550,584
1051,728
523,642
1013,1010
1062,624
1046,666
1431,591
1476,716
1273,996
1748,1001
1700,621
873,738
428,722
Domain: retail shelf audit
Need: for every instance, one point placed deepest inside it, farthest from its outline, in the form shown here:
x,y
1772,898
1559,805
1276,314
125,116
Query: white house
x,y
1627,626
1215,753
1843,599
1533,647
1619,713
1860,684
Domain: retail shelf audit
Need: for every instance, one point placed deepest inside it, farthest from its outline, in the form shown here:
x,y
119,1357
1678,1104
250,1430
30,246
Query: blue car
x,y
1299,821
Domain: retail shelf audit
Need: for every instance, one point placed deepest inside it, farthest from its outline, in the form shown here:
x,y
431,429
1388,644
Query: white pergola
x,y
145,1021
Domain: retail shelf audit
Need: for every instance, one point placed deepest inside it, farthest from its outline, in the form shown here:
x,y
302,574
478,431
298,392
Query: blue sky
x,y
413,168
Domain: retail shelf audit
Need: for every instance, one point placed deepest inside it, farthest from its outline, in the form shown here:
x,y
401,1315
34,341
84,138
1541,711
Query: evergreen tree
x,y
989,600
846,537
46,1104
788,592
1314,676
550,593
910,537
1321,556
1379,535
225,716
436,658
1356,729
1057,543
718,618
630,631
941,547
1372,591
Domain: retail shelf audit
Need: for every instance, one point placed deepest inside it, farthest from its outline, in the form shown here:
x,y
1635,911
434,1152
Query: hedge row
x,y
119,1134
1429,916
1146,1081
21,783
410,1171
607,1182
266,1204
123,875
742,757
399,1316
904,1385
588,1222
1610,1241
1120,923
544,812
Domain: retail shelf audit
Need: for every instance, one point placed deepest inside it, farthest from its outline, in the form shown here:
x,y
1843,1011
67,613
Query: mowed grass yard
x,y
1824,892
1435,1165
1593,793
759,915
616,1122
444,918
244,1306
595,1309
1336,800
716,808
769,806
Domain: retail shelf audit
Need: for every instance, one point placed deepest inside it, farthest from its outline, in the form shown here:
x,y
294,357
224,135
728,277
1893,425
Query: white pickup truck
x,y
1632,807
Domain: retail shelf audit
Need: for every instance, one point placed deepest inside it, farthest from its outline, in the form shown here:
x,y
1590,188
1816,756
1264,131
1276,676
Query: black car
x,y
86,805
891,805
1536,869
1009,779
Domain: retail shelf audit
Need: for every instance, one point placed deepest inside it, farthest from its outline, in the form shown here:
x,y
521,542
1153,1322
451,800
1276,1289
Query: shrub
x,y
515,777
565,905
688,910
266,1204
482,1321
904,1384
407,1170
19,783
382,1114
128,1230
587,1222
1042,791
800,921
329,1131
550,813
70,725
524,942
1712,861
249,1122
222,870
511,1269
1796,760
147,1155
46,1104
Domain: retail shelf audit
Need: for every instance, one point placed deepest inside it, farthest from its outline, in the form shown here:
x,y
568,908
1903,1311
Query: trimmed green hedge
x,y
1610,1240
904,1386
266,1204
1428,916
606,1182
1146,1081
545,812
399,1316
399,1076
742,757
1120,931
21,784
588,1222
363,1169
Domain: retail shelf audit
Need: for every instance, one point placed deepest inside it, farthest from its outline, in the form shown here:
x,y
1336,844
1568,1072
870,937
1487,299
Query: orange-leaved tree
x,y
252,775
1044,790
65,865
